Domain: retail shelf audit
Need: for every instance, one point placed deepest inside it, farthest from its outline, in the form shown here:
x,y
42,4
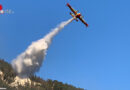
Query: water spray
x,y
30,61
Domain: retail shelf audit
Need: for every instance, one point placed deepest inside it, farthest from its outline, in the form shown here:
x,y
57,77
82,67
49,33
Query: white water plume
x,y
30,61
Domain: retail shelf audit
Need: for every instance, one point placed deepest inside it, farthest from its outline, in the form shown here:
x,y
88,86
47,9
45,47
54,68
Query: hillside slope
x,y
9,80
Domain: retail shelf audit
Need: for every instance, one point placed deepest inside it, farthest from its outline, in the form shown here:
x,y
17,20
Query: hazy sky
x,y
94,58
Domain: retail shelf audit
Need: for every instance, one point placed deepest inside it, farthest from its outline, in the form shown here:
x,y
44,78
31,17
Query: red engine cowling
x,y
78,15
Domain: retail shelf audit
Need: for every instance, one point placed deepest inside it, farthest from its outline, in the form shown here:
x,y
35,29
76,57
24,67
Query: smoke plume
x,y
30,61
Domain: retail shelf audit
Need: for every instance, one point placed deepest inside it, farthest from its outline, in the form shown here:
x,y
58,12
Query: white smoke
x,y
30,61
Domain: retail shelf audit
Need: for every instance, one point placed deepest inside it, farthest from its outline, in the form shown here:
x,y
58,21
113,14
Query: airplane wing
x,y
83,21
71,9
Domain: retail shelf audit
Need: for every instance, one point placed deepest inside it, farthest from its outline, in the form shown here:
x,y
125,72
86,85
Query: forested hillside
x,y
7,77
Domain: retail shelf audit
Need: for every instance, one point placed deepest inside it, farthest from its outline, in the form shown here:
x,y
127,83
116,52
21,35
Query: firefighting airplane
x,y
76,15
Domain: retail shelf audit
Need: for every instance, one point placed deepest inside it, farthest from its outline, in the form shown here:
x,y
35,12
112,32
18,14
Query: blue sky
x,y
94,58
